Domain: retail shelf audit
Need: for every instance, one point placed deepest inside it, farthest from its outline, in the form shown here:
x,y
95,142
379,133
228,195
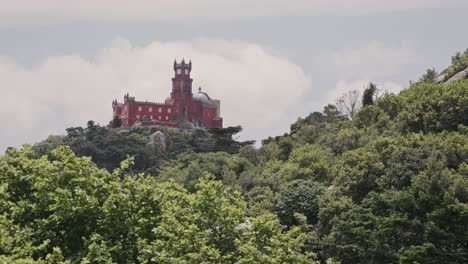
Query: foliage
x,y
116,122
299,196
108,147
429,107
389,185
223,139
69,210
429,76
380,188
369,93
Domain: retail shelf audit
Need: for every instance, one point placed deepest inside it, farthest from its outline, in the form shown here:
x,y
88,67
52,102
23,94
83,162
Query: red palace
x,y
182,109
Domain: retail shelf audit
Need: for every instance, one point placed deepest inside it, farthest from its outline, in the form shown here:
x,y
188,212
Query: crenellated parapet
x,y
182,65
151,103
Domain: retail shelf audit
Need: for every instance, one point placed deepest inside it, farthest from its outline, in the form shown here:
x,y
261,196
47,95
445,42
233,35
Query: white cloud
x,y
373,59
257,89
375,53
38,11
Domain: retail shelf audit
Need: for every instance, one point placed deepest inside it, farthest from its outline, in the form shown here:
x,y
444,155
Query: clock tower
x,y
182,89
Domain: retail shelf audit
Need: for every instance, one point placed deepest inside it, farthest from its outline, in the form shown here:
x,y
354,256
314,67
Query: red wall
x,y
129,112
147,109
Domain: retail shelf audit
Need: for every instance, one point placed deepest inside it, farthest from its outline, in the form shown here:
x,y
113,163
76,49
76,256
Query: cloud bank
x,y
374,53
24,11
259,90
377,59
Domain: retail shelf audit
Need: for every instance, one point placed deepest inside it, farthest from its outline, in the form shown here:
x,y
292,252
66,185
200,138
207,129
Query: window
x,y
186,71
167,118
169,110
159,109
139,108
179,71
151,117
159,117
138,116
150,109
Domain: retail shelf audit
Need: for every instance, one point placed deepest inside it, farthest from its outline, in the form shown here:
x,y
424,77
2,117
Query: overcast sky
x,y
268,61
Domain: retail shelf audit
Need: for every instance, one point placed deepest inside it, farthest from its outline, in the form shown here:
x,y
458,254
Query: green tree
x,y
308,162
116,122
299,196
430,107
372,116
369,94
428,76
224,140
263,242
260,200
331,112
209,226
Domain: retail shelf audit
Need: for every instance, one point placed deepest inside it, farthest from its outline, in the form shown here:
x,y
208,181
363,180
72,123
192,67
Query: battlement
x,y
151,103
182,65
131,99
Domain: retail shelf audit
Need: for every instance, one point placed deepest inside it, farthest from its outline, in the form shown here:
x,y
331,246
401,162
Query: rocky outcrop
x,y
439,78
158,140
461,75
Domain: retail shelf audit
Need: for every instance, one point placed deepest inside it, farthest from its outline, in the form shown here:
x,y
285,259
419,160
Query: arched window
x,y
159,109
169,110
139,108
150,109
167,118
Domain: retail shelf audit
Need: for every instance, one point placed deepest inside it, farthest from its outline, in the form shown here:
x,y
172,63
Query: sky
x,y
268,61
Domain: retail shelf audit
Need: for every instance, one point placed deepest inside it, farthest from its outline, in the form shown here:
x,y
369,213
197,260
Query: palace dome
x,y
204,98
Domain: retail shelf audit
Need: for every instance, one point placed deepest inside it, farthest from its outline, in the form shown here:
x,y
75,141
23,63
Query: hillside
x,y
458,70
389,185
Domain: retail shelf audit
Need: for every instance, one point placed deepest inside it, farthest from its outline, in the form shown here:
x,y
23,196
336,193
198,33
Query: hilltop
x,y
388,185
458,70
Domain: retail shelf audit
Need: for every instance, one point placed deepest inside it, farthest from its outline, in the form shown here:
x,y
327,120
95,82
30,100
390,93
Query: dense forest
x,y
385,183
